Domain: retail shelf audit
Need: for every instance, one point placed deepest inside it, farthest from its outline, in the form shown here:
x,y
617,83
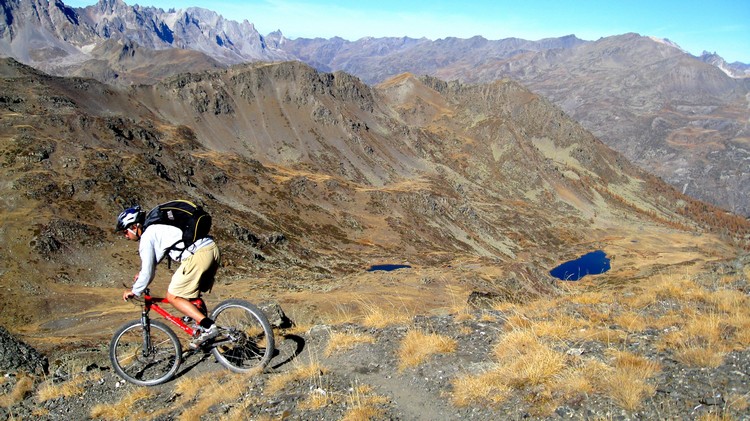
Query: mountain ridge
x,y
680,118
675,117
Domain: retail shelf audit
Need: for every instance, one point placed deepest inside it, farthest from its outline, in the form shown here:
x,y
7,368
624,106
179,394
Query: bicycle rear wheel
x,y
246,340
145,365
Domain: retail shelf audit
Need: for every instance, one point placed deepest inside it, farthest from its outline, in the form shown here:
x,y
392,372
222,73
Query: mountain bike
x,y
147,352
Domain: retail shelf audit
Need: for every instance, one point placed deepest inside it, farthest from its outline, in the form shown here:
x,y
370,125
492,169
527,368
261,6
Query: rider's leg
x,y
186,281
185,307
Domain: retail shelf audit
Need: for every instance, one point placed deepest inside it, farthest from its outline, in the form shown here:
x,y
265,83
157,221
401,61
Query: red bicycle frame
x,y
150,303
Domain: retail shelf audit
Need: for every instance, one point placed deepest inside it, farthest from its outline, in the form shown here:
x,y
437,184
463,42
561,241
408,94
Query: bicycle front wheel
x,y
245,342
145,359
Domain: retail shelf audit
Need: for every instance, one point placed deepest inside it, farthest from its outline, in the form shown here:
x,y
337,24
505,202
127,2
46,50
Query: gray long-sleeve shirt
x,y
155,240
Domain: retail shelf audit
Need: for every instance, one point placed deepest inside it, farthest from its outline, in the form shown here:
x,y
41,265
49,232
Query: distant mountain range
x,y
681,117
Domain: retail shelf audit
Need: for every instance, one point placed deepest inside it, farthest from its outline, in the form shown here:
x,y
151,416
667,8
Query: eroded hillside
x,y
311,177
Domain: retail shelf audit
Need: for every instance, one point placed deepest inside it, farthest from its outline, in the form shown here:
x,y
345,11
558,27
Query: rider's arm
x,y
149,259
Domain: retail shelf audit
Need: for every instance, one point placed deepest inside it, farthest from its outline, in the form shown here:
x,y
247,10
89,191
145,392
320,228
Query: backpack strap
x,y
170,248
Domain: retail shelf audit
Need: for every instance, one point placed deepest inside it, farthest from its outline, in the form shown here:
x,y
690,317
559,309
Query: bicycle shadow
x,y
288,348
190,359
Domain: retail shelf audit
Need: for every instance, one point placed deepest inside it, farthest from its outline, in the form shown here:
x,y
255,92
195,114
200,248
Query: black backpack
x,y
194,222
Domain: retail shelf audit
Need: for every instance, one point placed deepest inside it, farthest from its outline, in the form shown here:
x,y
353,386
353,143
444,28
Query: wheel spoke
x,y
145,368
246,340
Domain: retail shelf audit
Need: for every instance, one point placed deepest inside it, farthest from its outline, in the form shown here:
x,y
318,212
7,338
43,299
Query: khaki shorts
x,y
196,273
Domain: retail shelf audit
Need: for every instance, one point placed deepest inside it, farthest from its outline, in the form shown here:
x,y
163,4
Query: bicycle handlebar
x,y
137,300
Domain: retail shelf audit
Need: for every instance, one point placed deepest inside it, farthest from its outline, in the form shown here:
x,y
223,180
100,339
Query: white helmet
x,y
129,217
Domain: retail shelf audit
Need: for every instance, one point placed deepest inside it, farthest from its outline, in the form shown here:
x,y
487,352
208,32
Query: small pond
x,y
592,263
387,267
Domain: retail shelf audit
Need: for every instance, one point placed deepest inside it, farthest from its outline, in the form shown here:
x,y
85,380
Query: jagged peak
x,y
111,6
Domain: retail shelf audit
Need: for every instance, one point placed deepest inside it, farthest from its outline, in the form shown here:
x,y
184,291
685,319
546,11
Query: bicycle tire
x,y
246,340
158,366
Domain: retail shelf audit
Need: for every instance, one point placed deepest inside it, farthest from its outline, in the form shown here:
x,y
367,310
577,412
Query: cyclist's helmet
x,y
129,217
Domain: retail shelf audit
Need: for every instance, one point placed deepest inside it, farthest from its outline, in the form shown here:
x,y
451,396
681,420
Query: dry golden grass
x,y
737,402
699,324
359,412
505,307
560,327
188,387
298,329
72,387
625,382
239,411
463,315
698,341
699,356
604,335
487,318
517,342
465,330
728,301
417,346
668,288
318,398
198,394
363,404
639,366
221,388
592,298
310,371
124,408
40,413
459,308
713,416
670,319
363,390
526,361
344,341
533,364
489,387
142,415
572,383
541,308
23,387
517,320
625,390
631,321
597,315
380,317
345,313
522,361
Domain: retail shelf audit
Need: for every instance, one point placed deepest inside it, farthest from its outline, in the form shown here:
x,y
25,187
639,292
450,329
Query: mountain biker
x,y
198,265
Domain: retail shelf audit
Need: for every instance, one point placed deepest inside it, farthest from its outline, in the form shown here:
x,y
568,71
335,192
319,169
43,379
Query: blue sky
x,y
721,26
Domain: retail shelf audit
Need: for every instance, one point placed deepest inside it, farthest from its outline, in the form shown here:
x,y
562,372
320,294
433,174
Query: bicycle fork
x,y
146,324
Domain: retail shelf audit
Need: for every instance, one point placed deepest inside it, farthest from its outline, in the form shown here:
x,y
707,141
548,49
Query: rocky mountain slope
x,y
680,117
311,178
315,175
